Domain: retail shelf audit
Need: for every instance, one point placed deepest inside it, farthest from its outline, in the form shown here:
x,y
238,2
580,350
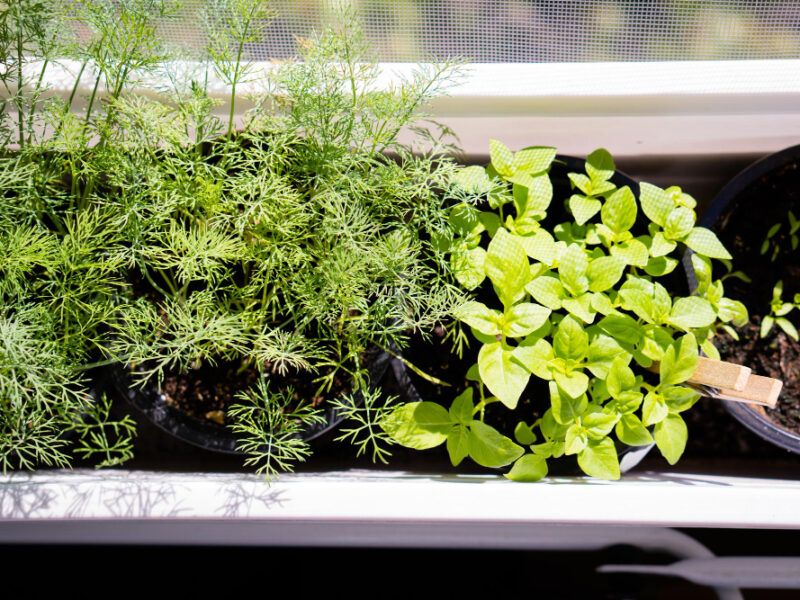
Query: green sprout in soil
x,y
777,314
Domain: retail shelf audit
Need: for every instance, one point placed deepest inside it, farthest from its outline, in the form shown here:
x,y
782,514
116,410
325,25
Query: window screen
x,y
524,31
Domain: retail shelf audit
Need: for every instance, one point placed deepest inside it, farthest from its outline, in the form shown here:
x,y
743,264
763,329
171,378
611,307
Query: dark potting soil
x,y
437,357
209,392
742,228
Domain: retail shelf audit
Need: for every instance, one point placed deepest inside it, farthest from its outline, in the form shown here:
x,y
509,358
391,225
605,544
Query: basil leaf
x,y
679,361
705,242
525,318
599,459
632,432
507,266
458,444
692,313
572,267
504,375
480,317
619,211
462,407
528,468
489,448
600,165
418,425
656,203
671,435
604,272
502,158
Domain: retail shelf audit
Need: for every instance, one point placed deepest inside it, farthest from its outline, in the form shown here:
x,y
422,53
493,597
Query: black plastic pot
x,y
629,456
152,403
729,200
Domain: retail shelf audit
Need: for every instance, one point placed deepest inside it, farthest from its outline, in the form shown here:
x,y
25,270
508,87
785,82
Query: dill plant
x,y
61,269
295,245
144,229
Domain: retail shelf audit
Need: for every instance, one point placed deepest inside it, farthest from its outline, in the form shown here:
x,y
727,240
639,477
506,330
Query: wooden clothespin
x,y
729,381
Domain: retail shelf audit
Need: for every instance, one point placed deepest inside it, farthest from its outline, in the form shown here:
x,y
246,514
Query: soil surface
x,y
742,228
207,393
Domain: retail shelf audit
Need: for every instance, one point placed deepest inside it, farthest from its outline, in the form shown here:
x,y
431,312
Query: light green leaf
x,y
418,425
570,341
489,448
468,267
535,159
458,444
575,440
461,409
604,272
602,304
661,265
620,378
524,434
536,357
671,435
528,468
633,252
705,242
603,351
656,342
679,398
619,211
504,375
566,409
491,222
656,203
788,327
574,384
679,223
622,328
710,349
599,459
582,182
600,165
581,307
639,302
583,208
654,409
598,424
766,325
481,317
661,246
679,361
507,266
547,290
539,246
631,431
572,267
525,318
502,158
464,219
692,313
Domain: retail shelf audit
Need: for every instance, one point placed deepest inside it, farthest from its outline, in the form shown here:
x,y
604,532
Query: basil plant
x,y
577,304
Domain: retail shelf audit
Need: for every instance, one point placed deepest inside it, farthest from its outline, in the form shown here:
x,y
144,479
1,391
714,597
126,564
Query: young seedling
x,y
778,309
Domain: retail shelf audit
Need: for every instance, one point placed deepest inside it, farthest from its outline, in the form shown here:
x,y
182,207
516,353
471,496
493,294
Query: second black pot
x,y
745,203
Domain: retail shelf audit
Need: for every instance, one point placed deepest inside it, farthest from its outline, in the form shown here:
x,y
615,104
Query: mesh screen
x,y
538,31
